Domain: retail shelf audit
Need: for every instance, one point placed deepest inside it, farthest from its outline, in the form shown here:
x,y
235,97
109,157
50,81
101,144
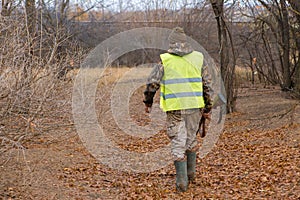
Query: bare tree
x,y
227,68
295,5
8,6
274,40
278,10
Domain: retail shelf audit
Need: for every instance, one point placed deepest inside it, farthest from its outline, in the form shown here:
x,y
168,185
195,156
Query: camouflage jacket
x,y
155,77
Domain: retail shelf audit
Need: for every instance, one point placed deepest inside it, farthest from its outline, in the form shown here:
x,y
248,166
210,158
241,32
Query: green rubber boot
x,y
181,175
191,165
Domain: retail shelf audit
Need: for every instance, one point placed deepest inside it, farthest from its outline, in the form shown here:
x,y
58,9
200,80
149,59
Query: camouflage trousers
x,y
182,126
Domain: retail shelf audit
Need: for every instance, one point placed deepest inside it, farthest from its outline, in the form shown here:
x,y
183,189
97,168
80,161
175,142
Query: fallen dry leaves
x,y
253,159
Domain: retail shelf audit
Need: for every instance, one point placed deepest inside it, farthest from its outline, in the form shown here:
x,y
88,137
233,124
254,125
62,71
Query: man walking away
x,y
185,96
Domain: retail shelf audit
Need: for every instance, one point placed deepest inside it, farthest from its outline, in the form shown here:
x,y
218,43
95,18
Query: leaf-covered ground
x,y
256,157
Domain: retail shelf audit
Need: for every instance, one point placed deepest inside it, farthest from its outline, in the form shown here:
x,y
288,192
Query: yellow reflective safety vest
x,y
181,85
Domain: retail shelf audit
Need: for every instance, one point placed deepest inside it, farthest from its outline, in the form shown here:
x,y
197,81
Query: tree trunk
x,y
29,53
295,4
30,16
6,7
284,24
227,72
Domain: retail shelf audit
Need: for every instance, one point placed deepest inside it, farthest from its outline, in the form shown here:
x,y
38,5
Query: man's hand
x,y
148,109
148,106
207,113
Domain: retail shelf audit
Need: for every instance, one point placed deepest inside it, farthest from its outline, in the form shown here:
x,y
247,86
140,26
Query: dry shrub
x,y
33,98
243,76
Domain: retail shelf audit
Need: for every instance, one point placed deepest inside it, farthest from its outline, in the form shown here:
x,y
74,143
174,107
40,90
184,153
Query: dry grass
x,y
243,76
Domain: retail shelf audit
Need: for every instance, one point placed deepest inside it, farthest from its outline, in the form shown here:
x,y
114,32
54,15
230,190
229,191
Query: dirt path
x,y
256,157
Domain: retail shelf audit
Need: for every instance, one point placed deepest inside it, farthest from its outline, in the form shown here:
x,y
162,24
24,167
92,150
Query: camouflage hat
x,y
178,43
177,36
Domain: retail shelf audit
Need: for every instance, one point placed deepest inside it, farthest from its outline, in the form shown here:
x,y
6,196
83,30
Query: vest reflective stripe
x,y
181,80
181,86
181,94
